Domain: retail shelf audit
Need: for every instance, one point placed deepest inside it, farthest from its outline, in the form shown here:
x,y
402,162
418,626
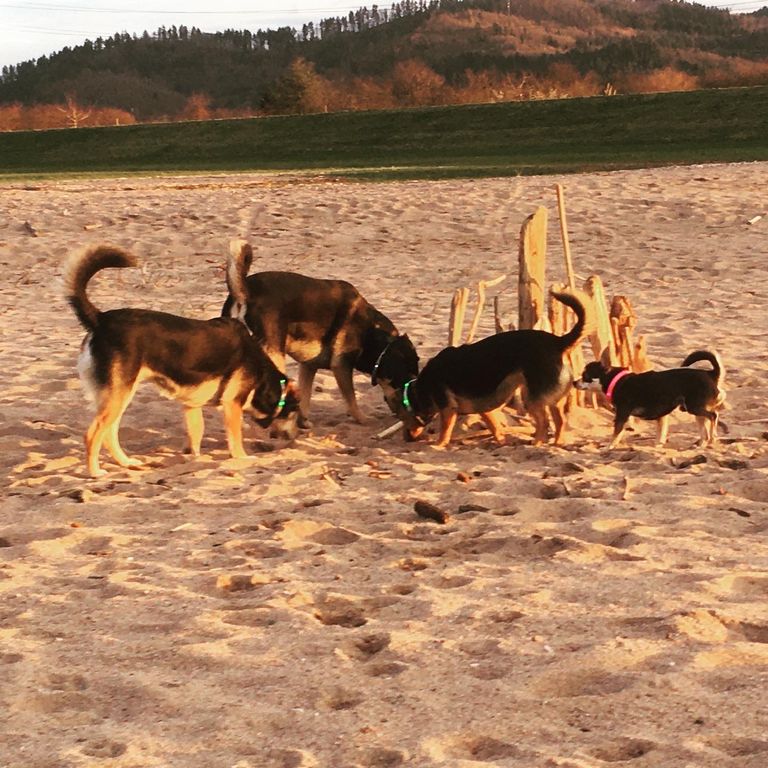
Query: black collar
x,y
376,365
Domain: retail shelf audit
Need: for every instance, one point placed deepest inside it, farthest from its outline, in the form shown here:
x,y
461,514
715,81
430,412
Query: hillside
x,y
412,54
538,136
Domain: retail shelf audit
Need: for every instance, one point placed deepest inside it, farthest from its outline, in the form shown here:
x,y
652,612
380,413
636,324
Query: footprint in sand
x,y
337,611
338,698
382,757
734,746
477,748
741,588
622,750
103,748
261,616
588,682
288,758
365,647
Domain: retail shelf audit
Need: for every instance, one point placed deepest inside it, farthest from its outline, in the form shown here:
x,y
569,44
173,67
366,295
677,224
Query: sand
x,y
581,607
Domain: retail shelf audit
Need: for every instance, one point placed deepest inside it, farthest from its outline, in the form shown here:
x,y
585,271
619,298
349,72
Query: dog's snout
x,y
285,428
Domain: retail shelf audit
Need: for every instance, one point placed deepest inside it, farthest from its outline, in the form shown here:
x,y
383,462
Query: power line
x,y
243,12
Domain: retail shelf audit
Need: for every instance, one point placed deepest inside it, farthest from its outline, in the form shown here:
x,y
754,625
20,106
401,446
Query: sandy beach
x,y
580,608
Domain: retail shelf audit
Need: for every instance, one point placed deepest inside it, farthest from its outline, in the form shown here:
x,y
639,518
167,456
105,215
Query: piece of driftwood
x,y
601,337
623,322
629,354
532,256
431,512
458,310
389,430
561,321
564,236
501,323
640,361
482,286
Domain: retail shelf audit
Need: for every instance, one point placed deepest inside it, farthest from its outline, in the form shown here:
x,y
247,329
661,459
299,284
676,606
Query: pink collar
x,y
614,381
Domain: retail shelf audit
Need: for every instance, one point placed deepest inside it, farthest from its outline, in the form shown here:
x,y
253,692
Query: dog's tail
x,y
718,369
81,268
580,328
238,264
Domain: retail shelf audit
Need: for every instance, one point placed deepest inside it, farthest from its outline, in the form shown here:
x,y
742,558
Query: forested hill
x,y
416,52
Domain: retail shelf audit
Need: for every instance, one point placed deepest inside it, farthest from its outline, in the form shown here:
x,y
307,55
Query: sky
x,y
32,28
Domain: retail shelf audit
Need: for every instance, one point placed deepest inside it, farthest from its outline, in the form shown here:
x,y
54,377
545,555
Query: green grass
x,y
532,137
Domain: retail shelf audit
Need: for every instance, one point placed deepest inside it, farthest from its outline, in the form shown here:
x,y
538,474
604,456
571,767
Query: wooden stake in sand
x,y
575,354
481,288
532,254
564,236
601,339
458,310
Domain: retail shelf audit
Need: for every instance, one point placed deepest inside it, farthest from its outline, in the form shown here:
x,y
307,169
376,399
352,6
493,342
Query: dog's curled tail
x,y
81,268
238,264
580,329
718,369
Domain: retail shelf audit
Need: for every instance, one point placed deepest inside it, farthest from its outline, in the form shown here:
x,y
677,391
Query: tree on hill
x,y
415,52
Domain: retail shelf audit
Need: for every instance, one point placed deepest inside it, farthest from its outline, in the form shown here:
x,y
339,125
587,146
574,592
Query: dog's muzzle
x,y
283,421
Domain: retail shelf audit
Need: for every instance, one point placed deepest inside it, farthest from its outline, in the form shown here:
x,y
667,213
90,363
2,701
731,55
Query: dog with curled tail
x,y
197,362
653,395
320,323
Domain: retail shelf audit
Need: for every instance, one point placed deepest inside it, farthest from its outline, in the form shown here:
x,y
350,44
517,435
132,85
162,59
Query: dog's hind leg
x,y
306,379
104,428
558,417
662,428
193,418
343,375
539,413
112,440
233,426
707,422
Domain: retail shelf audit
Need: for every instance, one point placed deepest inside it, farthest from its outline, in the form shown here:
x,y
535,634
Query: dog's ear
x,y
409,344
606,358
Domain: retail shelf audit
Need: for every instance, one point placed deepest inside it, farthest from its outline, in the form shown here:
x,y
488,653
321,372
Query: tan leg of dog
x,y
306,379
233,426
662,428
494,422
539,413
558,417
714,419
343,376
113,403
618,435
112,442
193,418
707,430
447,423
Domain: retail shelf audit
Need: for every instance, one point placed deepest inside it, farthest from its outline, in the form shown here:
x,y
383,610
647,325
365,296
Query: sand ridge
x,y
581,608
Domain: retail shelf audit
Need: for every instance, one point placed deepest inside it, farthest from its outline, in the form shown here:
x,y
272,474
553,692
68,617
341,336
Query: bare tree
x,y
73,113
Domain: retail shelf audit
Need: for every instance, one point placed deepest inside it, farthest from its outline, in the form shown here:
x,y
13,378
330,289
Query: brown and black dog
x,y
197,362
483,377
320,324
653,395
